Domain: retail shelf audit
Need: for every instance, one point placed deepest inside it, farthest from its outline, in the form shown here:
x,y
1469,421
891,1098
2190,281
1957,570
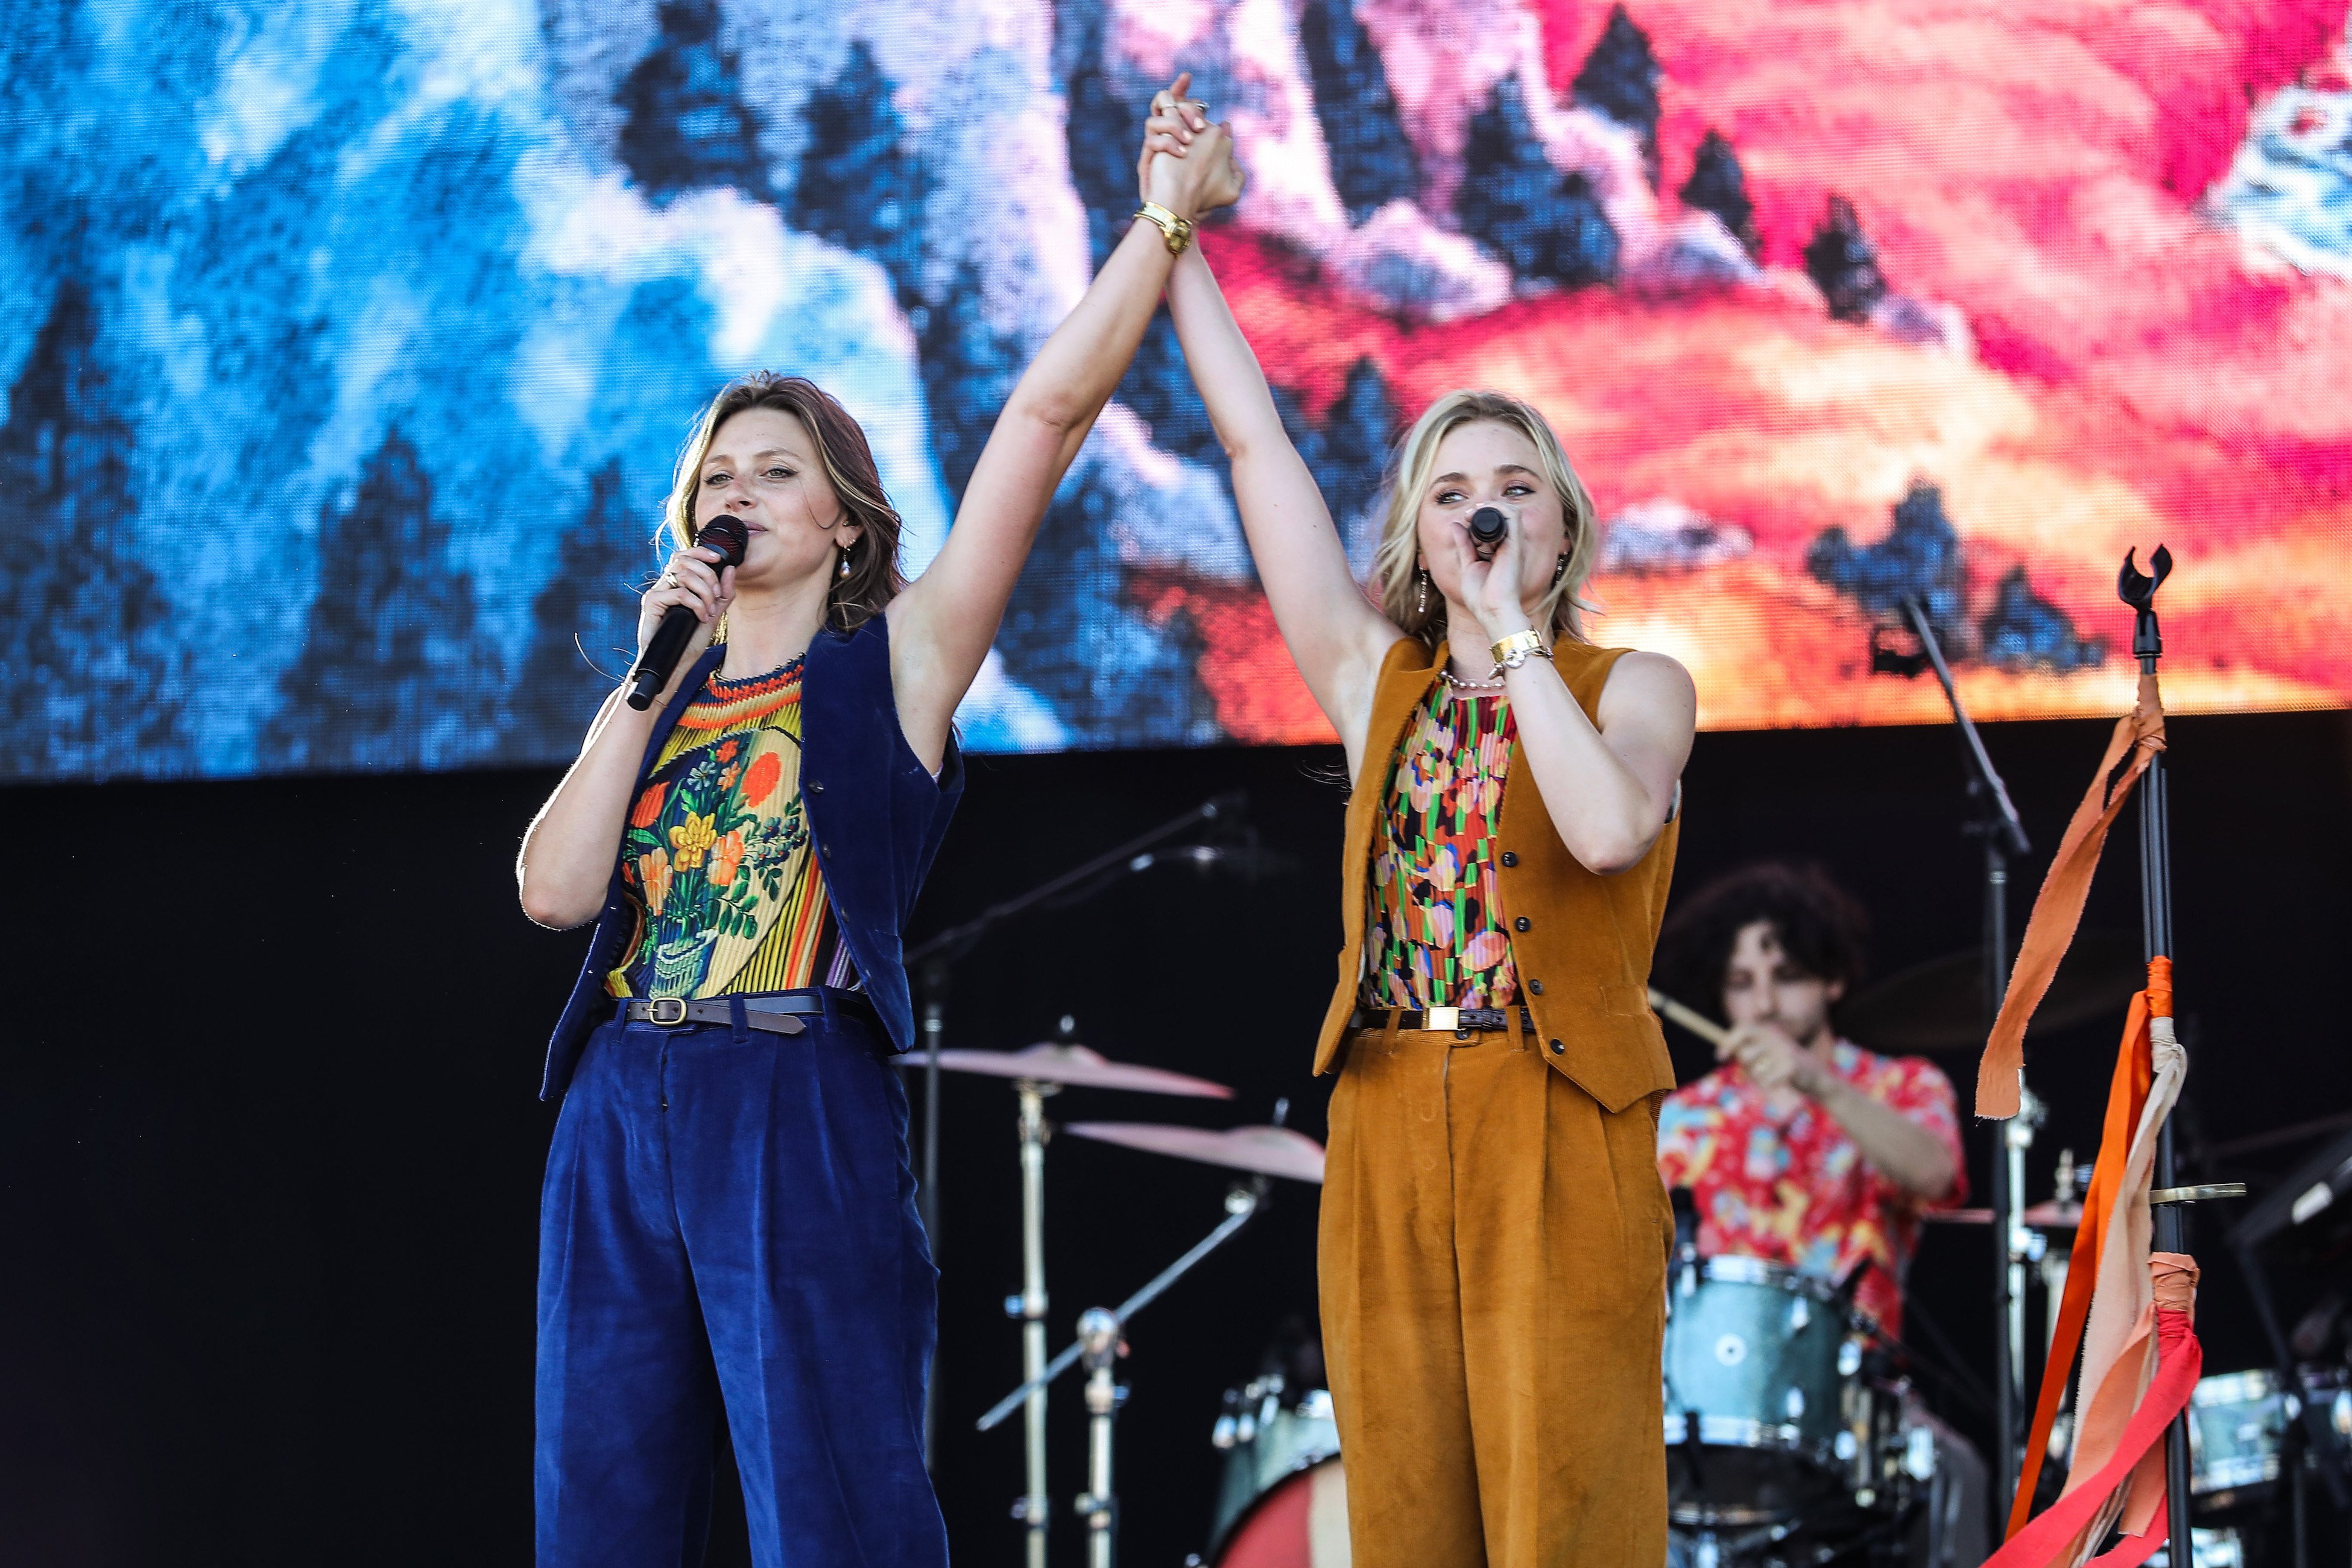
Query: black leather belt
x,y
1456,1020
776,1014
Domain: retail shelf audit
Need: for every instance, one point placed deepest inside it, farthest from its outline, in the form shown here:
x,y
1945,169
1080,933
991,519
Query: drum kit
x,y
1785,1417
1792,1432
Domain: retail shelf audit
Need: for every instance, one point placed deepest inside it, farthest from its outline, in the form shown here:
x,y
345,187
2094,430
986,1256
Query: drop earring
x,y
844,562
1561,570
1421,598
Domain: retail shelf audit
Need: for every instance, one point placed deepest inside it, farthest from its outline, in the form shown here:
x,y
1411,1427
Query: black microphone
x,y
724,533
1487,526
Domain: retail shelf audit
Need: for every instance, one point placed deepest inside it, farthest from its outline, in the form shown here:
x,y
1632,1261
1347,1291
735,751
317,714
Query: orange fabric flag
x,y
2125,1095
2058,908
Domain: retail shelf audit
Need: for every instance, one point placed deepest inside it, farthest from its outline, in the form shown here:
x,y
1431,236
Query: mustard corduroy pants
x,y
1492,1253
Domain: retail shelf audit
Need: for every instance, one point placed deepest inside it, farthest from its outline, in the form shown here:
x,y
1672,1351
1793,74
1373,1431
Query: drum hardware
x,y
930,964
1037,1072
1101,1331
1264,1152
1098,1337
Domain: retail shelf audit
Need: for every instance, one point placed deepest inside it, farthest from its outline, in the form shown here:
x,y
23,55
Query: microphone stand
x,y
2003,837
931,962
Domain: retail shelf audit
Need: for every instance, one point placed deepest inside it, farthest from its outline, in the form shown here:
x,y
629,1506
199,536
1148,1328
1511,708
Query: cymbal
x,y
1076,1066
1268,1151
2041,1217
1939,1005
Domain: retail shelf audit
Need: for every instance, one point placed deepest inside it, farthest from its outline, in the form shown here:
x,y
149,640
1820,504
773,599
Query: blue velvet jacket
x,y
874,812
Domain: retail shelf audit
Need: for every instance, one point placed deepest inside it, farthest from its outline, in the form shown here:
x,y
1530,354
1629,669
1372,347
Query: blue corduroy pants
x,y
729,1229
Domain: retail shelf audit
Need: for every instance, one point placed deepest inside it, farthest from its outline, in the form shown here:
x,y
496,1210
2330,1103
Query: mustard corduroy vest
x,y
1583,962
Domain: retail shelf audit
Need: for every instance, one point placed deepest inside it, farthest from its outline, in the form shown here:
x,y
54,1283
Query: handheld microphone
x,y
725,534
1487,526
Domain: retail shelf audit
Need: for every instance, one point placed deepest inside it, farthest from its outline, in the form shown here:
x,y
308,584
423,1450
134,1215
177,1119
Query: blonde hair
x,y
874,578
1395,564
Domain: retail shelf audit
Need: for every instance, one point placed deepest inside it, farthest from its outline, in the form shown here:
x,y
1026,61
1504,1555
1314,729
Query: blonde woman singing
x,y
1494,1230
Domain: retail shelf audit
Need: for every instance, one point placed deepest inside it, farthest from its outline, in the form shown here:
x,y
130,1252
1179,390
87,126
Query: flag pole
x,y
2138,589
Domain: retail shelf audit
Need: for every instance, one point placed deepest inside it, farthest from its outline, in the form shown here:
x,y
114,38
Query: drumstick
x,y
1698,1024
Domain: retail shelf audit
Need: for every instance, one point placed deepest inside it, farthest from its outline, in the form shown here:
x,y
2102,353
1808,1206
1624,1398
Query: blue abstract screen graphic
x,y
347,346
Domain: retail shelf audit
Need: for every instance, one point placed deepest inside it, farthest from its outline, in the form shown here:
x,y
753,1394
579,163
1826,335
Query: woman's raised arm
x,y
941,627
1333,631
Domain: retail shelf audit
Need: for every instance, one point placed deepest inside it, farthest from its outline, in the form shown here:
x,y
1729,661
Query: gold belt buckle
x,y
655,1012
1443,1020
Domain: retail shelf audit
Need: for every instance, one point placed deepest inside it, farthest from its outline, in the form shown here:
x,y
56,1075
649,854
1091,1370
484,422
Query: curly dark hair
x,y
1823,928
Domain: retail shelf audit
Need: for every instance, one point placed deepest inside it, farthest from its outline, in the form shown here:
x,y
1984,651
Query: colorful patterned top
x,y
1434,937
1799,1192
715,854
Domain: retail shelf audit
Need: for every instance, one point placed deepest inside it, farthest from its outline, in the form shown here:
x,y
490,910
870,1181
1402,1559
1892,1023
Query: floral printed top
x,y
1799,1192
1435,937
715,854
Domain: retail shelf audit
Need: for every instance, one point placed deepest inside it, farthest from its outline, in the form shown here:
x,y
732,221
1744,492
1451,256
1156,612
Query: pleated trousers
x,y
1491,1253
728,1231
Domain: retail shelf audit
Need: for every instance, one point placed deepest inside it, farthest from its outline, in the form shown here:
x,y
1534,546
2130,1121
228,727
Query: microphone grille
x,y
726,534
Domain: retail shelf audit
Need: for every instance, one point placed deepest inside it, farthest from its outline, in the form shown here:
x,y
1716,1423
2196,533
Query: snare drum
x,y
1763,1366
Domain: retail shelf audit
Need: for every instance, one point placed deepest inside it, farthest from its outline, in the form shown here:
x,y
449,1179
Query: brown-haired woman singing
x,y
728,1225
1493,1231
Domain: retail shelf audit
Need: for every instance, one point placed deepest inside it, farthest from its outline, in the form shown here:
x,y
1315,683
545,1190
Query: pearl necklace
x,y
1458,684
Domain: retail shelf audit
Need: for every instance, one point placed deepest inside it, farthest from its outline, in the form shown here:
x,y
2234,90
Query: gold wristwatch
x,y
1516,649
1176,231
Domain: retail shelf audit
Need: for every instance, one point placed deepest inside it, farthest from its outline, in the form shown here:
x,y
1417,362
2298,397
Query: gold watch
x,y
1516,649
1176,231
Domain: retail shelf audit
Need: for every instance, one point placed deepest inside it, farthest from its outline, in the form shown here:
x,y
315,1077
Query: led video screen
x,y
346,345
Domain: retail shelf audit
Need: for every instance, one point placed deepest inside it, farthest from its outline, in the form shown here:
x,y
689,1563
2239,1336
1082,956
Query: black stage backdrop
x,y
271,1156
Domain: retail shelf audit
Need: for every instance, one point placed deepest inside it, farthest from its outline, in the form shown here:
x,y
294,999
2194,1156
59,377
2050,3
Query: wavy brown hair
x,y
874,578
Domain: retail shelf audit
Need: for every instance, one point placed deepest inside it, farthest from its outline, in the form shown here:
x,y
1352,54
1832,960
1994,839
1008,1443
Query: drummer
x,y
1802,1148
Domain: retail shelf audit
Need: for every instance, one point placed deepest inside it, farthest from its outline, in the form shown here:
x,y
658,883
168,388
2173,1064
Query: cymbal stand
x,y
2003,837
930,963
1034,1510
1100,1330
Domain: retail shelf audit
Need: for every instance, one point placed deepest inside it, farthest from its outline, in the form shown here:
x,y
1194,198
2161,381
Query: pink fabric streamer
x,y
2058,1535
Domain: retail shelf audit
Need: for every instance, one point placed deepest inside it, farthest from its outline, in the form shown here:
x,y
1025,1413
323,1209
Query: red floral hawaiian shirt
x,y
1798,1192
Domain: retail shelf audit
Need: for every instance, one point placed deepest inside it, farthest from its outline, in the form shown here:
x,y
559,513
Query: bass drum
x,y
1302,1522
1283,1500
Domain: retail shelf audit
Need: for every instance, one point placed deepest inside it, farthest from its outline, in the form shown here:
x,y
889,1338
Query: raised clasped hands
x,y
1187,163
